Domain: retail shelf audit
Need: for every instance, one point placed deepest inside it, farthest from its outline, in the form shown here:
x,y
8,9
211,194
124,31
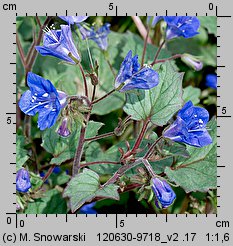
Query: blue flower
x,y
100,36
42,98
63,129
59,43
185,26
131,76
73,19
164,195
211,81
190,126
88,209
23,183
192,62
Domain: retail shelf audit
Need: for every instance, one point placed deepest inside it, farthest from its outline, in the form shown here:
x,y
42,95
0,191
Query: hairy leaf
x,y
85,186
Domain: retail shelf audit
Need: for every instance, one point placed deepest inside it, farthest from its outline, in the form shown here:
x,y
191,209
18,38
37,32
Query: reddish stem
x,y
105,135
158,52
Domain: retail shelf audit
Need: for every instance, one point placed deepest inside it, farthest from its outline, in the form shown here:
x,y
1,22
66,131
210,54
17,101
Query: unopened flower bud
x,y
63,129
164,195
192,62
23,183
94,79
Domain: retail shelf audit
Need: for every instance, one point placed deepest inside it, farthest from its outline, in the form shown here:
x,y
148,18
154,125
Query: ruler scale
x,y
111,229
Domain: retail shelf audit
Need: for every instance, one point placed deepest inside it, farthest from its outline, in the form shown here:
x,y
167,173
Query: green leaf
x,y
51,203
159,165
210,23
58,178
21,153
159,103
85,186
199,172
95,153
63,149
192,94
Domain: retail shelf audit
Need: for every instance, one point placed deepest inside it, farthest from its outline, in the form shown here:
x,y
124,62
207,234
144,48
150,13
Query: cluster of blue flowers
x,y
43,98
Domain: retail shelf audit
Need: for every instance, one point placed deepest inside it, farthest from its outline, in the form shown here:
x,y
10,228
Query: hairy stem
x,y
121,171
151,149
141,135
79,150
111,67
149,167
158,52
99,162
103,97
105,135
168,59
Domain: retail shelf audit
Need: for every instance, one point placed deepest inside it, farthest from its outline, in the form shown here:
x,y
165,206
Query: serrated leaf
x,y
21,153
50,203
199,172
192,94
159,103
85,186
210,23
64,148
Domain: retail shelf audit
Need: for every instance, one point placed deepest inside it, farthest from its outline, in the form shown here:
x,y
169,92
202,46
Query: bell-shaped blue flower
x,y
190,126
42,98
73,19
59,43
132,77
99,36
192,62
23,183
181,26
164,194
63,129
211,81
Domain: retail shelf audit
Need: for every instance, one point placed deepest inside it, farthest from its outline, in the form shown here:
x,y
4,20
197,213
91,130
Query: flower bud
x,y
164,195
192,62
63,130
23,183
